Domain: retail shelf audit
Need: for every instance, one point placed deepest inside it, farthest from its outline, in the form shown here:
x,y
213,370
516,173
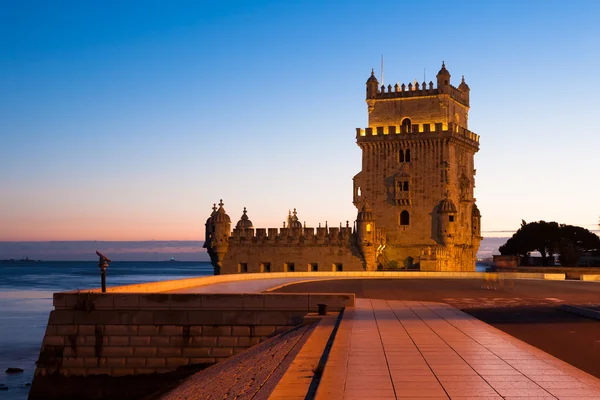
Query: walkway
x,y
247,286
391,349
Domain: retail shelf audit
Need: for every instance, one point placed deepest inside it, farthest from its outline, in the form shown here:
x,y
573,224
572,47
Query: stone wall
x,y
123,334
327,258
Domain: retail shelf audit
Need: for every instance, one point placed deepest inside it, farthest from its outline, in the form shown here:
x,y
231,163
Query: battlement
x,y
414,132
418,90
296,236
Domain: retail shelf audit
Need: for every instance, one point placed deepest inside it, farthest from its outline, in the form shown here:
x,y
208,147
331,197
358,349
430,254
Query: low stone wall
x,y
122,334
166,286
590,278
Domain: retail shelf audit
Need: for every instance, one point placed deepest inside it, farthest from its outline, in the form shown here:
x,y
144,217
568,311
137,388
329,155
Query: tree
x,y
549,238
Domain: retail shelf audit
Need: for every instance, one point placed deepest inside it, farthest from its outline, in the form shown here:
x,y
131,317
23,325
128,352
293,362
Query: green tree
x,y
549,238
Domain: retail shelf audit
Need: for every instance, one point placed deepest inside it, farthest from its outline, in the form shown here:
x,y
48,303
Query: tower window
x,y
404,155
451,218
405,186
406,125
368,227
404,218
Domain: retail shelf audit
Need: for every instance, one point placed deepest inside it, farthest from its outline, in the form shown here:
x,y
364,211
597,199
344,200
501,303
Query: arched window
x,y
401,156
407,157
368,227
405,186
407,124
404,218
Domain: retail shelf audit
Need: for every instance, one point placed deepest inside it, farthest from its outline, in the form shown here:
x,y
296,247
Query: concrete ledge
x,y
585,312
166,286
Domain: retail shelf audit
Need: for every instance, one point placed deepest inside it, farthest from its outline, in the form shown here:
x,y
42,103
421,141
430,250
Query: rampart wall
x,y
119,334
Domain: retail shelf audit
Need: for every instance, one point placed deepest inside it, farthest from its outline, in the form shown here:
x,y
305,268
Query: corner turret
x,y
218,228
365,236
476,222
443,79
447,221
372,86
464,88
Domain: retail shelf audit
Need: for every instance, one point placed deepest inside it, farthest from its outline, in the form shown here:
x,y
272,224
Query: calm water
x,y
26,301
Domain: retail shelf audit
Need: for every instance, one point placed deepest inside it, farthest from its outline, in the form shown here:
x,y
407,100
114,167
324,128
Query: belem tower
x,y
414,196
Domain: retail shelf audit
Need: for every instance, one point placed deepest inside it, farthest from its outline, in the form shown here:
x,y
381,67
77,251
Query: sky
x,y
127,120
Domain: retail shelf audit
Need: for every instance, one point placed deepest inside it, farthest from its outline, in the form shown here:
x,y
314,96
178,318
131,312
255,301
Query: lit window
x,y
368,227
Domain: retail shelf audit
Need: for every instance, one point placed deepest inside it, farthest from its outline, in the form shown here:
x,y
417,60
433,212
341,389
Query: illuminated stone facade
x,y
414,195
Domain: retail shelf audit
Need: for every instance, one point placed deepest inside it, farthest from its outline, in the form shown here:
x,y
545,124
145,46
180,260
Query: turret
x,y
294,225
476,222
447,221
464,88
365,236
209,228
372,86
365,225
217,246
443,79
244,227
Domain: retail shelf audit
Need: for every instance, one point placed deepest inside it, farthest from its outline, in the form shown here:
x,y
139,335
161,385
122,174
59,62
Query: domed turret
x,y
365,214
217,238
365,236
463,87
447,206
446,220
476,212
244,222
293,222
443,78
210,227
220,215
372,85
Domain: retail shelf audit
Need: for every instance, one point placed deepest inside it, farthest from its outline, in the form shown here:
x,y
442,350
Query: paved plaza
x,y
389,349
408,339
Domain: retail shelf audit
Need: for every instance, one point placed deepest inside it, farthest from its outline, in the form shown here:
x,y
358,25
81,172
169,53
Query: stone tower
x,y
418,174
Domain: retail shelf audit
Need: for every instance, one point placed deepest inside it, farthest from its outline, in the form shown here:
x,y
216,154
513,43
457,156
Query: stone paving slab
x,y
388,349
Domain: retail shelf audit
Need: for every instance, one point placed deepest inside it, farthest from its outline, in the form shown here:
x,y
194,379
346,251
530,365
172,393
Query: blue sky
x,y
127,120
